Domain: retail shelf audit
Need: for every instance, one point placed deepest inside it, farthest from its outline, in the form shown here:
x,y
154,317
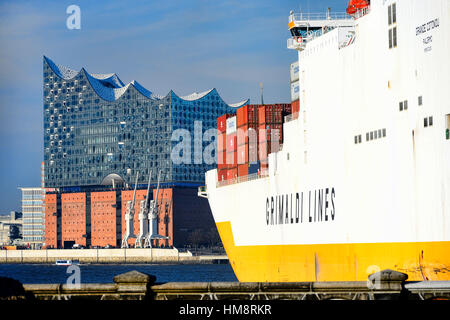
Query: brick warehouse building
x,y
98,133
97,218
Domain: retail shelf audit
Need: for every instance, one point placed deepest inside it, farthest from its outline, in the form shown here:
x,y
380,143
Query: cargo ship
x,y
360,179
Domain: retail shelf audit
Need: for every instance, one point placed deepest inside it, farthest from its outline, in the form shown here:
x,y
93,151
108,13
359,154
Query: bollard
x,y
387,284
133,285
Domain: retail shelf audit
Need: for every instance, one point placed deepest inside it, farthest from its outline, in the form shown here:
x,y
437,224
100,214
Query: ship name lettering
x,y
288,208
427,26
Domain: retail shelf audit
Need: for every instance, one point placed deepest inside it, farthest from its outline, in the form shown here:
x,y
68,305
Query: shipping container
x,y
247,153
270,114
221,141
231,125
247,114
295,71
242,170
270,132
295,106
295,90
222,122
221,159
231,142
253,167
247,133
231,158
231,173
222,174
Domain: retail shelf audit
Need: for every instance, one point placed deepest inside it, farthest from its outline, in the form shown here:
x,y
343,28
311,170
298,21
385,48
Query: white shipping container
x,y
294,71
295,90
231,125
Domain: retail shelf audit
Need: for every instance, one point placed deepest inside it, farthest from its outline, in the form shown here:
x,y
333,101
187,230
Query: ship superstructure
x,y
361,181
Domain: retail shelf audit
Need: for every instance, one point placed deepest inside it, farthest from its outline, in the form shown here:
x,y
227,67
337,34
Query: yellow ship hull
x,y
335,262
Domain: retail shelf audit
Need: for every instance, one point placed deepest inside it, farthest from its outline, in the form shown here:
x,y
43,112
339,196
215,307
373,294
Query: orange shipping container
x,y
247,133
222,174
221,158
231,173
231,158
221,141
270,114
231,142
295,106
247,114
242,170
222,122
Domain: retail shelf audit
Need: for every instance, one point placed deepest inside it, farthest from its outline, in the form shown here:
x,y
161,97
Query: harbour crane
x,y
152,219
143,216
129,218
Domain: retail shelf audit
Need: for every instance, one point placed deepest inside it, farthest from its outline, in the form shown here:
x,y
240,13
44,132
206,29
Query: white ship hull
x,y
333,209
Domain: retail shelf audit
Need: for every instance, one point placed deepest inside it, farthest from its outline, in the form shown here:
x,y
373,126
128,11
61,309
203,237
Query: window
x,y
425,122
430,121
419,100
390,38
394,36
392,24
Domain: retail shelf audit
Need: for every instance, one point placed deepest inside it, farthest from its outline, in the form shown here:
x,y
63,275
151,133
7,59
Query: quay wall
x,y
123,255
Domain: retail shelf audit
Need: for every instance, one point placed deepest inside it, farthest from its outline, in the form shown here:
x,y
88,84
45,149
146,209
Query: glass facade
x,y
33,216
94,126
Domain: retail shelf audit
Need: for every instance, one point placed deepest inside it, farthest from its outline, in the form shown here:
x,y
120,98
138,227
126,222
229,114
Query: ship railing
x,y
319,16
291,117
262,173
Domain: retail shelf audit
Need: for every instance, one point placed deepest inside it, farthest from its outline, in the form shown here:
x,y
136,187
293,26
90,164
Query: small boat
x,y
66,262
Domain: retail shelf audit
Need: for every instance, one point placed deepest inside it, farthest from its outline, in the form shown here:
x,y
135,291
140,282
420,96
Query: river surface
x,y
104,273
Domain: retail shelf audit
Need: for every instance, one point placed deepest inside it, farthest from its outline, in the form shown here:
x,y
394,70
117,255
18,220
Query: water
x,y
104,273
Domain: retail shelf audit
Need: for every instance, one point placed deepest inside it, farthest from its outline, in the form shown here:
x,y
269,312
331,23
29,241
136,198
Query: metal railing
x,y
319,16
262,173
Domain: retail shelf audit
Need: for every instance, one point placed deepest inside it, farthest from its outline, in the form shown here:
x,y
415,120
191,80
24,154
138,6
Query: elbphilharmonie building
x,y
98,129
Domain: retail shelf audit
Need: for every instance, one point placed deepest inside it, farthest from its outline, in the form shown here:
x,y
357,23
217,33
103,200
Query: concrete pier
x,y
133,285
130,255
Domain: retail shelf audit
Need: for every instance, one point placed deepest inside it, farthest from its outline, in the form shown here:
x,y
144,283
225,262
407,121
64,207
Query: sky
x,y
186,45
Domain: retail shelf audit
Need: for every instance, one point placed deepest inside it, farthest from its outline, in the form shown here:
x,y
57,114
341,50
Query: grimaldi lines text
x,y
310,206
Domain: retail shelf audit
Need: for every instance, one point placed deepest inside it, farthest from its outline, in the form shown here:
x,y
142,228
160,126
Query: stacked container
x,y
295,88
231,148
270,127
247,140
244,141
221,146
